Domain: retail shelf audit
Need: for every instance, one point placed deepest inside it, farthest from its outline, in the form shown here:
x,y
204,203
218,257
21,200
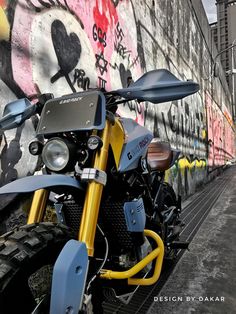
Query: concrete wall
x,y
65,46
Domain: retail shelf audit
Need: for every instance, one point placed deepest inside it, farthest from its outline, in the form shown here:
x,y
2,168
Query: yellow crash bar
x,y
158,253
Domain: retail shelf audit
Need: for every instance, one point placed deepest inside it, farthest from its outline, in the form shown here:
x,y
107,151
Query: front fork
x,y
38,206
92,199
93,195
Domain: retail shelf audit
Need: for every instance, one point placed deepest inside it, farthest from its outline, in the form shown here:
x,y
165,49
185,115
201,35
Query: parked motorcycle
x,y
104,180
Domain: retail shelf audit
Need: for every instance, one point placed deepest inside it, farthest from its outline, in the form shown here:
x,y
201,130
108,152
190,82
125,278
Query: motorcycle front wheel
x,y
27,256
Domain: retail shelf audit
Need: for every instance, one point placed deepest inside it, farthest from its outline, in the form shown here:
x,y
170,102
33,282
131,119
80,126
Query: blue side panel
x,y
138,139
135,215
69,277
33,183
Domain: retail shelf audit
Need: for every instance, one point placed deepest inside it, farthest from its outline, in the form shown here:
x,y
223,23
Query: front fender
x,y
69,278
33,183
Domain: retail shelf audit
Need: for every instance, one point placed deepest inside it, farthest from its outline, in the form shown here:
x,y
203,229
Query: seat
x,y
159,155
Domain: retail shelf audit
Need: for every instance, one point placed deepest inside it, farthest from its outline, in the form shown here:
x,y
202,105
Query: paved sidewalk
x,y
204,280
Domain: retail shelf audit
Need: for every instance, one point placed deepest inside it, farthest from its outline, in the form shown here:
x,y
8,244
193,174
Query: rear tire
x,y
168,195
169,200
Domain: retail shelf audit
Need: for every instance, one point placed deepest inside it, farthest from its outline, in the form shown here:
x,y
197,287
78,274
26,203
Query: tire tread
x,y
19,245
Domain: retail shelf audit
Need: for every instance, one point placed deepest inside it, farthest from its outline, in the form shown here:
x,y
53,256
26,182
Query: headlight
x,y
56,154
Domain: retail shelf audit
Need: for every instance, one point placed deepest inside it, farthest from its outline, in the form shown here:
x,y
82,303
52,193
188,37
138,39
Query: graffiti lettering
x,y
135,106
134,62
118,46
121,50
173,116
99,35
101,82
114,66
119,32
82,81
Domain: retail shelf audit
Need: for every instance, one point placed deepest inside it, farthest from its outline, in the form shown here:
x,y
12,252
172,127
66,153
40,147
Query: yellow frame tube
x,y
93,195
38,206
158,253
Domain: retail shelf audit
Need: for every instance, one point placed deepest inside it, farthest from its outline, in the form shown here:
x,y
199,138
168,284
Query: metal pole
x,y
233,80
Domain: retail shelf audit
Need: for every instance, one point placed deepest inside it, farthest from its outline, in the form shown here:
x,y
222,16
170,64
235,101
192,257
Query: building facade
x,y
224,35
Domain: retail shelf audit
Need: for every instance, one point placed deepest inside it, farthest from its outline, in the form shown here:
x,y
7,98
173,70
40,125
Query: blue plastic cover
x,y
15,113
158,86
33,183
135,215
69,278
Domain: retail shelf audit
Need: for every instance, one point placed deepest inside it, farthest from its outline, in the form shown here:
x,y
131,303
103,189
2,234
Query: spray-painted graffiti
x,y
60,47
220,134
183,124
13,143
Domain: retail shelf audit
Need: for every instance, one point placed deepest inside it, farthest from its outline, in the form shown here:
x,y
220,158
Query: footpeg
x,y
179,245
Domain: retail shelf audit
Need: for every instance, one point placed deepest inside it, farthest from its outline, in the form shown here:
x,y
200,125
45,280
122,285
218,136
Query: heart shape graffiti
x,y
67,49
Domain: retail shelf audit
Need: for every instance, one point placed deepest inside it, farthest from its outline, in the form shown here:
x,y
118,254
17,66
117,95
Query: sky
x,y
210,9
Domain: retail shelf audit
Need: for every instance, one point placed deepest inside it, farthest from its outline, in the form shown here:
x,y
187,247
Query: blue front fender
x,y
33,183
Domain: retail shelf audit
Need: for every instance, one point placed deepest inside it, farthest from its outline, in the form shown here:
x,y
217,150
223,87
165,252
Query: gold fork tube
x,y
38,206
93,195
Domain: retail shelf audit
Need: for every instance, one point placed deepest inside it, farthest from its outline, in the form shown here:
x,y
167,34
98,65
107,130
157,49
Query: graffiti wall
x,y
65,46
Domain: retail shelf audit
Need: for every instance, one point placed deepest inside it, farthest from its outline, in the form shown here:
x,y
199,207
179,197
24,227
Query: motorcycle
x,y
103,178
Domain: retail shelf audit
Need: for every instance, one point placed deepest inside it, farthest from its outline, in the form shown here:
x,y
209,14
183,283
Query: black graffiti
x,y
99,35
115,2
134,106
126,80
67,49
125,75
173,116
134,62
119,33
114,66
118,45
101,62
81,79
182,121
101,82
10,156
121,50
48,4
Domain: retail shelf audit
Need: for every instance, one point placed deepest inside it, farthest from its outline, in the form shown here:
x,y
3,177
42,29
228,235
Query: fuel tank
x,y
137,139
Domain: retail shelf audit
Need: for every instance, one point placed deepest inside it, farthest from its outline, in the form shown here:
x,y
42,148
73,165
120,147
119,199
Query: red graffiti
x,y
105,18
220,135
3,3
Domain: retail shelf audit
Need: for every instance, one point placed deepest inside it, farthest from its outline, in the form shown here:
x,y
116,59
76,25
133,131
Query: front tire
x,y
24,252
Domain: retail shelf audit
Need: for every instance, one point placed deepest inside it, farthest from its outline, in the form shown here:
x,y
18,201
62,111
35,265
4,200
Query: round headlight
x,y
56,155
